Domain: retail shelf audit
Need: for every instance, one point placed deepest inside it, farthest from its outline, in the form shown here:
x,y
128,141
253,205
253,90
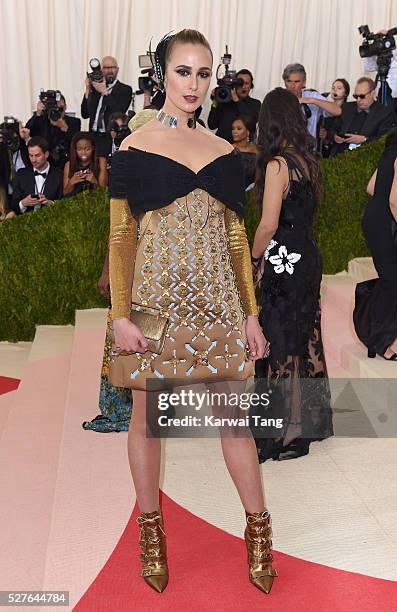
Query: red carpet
x,y
208,571
8,384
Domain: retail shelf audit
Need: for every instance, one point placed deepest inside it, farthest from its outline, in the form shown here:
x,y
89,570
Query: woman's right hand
x,y
128,336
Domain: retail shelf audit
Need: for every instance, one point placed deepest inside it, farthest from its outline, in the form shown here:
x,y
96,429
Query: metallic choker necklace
x,y
171,121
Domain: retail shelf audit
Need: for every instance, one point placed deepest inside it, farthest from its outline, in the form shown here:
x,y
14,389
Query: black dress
x,y
295,371
375,312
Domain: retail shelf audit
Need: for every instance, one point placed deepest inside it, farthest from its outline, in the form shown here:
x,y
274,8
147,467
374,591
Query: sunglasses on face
x,y
361,96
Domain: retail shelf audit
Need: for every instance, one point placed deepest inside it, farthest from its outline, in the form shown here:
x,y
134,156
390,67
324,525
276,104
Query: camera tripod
x,y
383,62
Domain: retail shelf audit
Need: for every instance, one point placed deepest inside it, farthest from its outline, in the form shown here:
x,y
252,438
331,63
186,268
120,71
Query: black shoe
x,y
297,448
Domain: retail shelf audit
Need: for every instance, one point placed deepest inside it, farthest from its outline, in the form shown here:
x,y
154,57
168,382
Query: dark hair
x,y
345,85
246,71
282,124
38,141
116,115
167,43
248,122
74,160
391,139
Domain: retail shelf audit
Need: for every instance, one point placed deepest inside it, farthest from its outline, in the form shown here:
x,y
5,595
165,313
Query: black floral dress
x,y
294,373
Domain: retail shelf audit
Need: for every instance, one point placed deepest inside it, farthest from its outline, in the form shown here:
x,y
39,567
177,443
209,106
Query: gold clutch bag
x,y
152,324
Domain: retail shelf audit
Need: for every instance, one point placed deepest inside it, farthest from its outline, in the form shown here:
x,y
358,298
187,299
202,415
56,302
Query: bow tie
x,y
364,111
43,174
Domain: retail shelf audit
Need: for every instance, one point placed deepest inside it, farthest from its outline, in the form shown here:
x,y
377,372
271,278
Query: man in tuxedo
x,y
58,133
362,120
38,185
103,98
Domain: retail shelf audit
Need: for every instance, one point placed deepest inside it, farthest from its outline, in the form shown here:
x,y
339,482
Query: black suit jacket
x,y
379,121
24,184
41,126
222,116
117,101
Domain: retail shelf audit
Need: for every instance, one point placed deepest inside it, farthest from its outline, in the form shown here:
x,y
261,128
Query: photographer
x,y
118,128
51,123
222,114
314,105
362,120
39,184
104,94
13,152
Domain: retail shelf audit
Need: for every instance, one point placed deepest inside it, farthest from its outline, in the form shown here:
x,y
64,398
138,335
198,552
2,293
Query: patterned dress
x,y
295,371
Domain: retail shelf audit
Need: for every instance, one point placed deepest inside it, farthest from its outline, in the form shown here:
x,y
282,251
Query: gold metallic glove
x,y
122,253
241,261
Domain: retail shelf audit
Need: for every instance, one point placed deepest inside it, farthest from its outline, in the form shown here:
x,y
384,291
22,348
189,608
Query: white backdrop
x,y
47,43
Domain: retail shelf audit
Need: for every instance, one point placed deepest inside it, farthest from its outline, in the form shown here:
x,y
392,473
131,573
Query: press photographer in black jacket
x,y
58,133
101,99
222,114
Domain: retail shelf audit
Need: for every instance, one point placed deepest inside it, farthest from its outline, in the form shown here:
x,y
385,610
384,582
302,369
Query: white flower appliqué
x,y
271,246
284,261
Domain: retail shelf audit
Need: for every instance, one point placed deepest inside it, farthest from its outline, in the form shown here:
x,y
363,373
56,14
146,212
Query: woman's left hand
x,y
258,345
91,178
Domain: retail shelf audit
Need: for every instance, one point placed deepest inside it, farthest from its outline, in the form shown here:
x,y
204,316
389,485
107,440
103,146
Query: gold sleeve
x,y
241,261
122,253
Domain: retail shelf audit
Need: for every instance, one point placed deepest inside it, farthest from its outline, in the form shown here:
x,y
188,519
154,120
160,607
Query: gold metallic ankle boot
x,y
257,536
154,553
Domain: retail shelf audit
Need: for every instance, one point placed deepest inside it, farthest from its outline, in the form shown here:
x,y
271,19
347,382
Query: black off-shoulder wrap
x,y
150,181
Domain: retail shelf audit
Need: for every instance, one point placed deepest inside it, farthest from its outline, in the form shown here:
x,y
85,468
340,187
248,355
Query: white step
x,y
94,493
29,456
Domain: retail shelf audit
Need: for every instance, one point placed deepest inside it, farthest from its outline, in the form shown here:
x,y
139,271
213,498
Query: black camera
x,y
60,152
146,83
9,134
96,74
122,131
380,45
50,99
225,84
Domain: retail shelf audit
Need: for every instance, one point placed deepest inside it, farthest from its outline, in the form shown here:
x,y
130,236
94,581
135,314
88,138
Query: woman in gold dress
x,y
177,243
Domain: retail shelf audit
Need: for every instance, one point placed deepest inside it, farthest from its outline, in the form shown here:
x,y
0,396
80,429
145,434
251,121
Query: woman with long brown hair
x,y
288,266
85,169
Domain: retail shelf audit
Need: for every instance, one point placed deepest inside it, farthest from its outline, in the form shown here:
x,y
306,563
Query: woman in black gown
x,y
288,266
375,313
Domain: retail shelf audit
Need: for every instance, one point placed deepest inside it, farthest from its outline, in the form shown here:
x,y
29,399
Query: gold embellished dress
x,y
190,258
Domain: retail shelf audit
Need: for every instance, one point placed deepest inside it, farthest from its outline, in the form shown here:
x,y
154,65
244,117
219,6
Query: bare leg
x,y
144,455
241,460
239,450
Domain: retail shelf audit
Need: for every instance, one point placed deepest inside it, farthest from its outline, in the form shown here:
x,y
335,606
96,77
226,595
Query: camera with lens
x,y
121,130
381,43
60,152
146,83
9,134
96,74
229,81
50,99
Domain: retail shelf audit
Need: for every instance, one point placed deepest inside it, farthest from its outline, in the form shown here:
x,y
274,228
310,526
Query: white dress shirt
x,y
98,110
39,180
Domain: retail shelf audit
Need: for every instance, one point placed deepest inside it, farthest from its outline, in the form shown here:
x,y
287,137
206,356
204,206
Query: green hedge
x,y
51,260
50,263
